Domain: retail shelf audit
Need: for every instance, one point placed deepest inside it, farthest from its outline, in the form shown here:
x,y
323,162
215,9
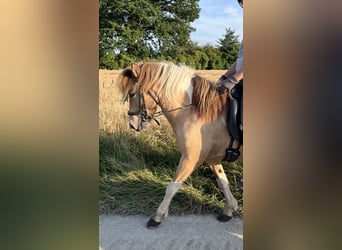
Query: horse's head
x,y
142,102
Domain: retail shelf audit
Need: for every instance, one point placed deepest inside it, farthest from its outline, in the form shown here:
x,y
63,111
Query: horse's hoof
x,y
223,218
152,224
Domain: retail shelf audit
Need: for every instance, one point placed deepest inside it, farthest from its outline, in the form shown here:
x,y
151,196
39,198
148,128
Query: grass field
x,y
136,167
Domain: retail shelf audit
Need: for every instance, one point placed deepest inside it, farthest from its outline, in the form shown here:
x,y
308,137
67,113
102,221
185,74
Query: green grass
x,y
135,169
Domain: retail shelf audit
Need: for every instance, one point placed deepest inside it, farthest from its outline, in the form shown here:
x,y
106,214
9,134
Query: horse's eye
x,y
131,94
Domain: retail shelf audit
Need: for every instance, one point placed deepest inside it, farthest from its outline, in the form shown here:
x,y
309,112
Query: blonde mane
x,y
168,80
165,78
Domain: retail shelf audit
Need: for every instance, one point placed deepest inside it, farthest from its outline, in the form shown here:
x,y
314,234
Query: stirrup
x,y
232,154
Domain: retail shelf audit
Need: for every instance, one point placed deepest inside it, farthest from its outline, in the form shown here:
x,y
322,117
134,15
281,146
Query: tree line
x,y
131,31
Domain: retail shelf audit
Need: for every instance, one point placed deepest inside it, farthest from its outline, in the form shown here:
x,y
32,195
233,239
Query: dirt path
x,y
175,233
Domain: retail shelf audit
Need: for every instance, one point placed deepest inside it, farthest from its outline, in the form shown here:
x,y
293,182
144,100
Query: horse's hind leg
x,y
185,168
231,203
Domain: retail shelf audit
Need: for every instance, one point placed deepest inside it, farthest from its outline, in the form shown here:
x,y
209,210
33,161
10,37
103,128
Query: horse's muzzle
x,y
138,125
134,123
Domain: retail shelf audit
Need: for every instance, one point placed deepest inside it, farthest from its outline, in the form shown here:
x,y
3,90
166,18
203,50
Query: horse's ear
x,y
135,68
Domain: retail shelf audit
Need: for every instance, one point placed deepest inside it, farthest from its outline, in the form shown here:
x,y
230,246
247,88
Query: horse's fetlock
x,y
157,218
166,214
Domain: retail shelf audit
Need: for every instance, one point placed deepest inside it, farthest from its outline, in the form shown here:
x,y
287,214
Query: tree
x,y
145,28
215,58
201,60
229,47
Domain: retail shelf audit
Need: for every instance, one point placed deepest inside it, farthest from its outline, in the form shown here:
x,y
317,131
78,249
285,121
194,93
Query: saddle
x,y
234,117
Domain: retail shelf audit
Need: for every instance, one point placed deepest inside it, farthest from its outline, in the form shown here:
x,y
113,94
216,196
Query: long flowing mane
x,y
168,80
207,103
165,78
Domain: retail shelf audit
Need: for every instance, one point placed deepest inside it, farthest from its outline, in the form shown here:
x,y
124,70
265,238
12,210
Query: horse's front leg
x,y
185,168
231,203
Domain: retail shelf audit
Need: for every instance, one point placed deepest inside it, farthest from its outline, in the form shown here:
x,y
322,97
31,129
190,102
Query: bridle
x,y
142,111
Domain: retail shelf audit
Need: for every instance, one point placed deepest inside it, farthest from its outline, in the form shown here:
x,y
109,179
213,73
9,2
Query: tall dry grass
x,y
135,167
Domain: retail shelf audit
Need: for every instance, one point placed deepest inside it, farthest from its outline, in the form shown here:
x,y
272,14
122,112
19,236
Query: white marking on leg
x,y
231,204
164,206
221,178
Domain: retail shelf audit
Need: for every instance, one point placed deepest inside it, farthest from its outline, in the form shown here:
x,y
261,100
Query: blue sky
x,y
215,17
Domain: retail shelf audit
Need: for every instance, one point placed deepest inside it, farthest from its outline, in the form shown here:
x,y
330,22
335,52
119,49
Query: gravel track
x,y
175,233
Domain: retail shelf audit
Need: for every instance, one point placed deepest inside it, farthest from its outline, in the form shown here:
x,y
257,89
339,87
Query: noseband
x,y
142,111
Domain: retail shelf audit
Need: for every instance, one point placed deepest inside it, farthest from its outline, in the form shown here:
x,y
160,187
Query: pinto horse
x,y
197,114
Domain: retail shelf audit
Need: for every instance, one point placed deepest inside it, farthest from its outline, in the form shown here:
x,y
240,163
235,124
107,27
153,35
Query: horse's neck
x,y
174,108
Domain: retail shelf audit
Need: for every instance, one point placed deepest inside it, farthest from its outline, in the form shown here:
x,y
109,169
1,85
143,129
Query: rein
x,y
142,107
149,92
